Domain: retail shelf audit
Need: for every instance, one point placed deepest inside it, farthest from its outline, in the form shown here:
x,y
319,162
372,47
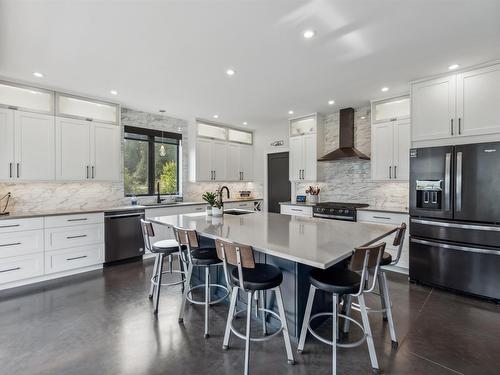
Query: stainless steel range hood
x,y
346,139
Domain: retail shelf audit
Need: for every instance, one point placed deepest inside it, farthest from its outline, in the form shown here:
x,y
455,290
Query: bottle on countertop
x,y
133,201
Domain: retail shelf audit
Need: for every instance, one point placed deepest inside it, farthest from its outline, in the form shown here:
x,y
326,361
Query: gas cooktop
x,y
337,210
342,205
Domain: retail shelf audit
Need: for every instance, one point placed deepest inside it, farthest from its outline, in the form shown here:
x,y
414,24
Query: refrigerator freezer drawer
x,y
468,269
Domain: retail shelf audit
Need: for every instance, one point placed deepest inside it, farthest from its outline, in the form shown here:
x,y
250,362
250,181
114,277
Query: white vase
x,y
209,210
217,211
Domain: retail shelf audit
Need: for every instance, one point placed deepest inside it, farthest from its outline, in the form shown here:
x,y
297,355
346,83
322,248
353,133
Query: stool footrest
x,y
330,342
256,339
195,302
154,279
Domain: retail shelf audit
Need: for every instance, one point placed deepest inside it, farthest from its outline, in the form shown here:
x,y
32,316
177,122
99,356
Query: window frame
x,y
151,134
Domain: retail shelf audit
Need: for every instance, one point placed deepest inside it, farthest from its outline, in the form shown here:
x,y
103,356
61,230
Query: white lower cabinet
x,y
296,210
67,237
247,205
77,257
21,243
21,267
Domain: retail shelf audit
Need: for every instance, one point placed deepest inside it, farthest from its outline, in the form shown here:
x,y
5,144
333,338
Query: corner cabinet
x,y
305,147
458,108
390,144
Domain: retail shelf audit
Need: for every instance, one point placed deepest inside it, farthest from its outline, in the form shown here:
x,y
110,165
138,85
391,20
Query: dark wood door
x,y
278,184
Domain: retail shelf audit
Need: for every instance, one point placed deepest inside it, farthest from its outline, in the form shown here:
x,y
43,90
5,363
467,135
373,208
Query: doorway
x,y
278,183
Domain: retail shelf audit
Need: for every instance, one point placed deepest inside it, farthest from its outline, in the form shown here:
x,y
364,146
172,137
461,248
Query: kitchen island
x,y
295,244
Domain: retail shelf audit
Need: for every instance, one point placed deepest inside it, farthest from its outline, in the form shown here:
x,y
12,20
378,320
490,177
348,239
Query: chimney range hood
x,y
346,139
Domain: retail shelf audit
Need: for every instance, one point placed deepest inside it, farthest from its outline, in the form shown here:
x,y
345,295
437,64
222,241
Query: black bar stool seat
x,y
166,247
386,259
262,277
204,256
334,280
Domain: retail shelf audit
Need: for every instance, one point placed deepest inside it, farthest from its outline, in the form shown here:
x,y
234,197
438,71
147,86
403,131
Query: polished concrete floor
x,y
101,323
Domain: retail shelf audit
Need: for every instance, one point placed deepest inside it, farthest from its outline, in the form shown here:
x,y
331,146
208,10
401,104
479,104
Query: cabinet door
x,y
34,146
296,157
72,149
233,162
105,152
219,160
246,162
433,109
204,160
478,99
402,150
6,144
382,151
310,158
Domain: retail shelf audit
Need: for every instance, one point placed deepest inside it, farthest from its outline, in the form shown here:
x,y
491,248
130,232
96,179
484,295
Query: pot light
x,y
290,112
245,123
453,66
113,92
308,34
331,102
230,72
216,116
384,89
38,74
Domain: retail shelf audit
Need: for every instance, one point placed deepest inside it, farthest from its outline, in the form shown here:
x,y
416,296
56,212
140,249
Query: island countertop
x,y
311,241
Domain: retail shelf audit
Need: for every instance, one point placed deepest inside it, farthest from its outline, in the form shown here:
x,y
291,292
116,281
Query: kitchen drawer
x,y
70,220
15,225
68,259
247,205
174,210
381,217
21,243
61,238
296,210
21,267
193,209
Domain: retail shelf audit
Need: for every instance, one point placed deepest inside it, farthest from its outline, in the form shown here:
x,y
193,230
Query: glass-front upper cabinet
x,y
240,136
26,98
86,109
303,125
212,131
391,109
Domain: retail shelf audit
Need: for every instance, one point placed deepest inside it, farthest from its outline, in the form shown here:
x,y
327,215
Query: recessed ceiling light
x,y
230,72
113,92
331,102
453,66
38,74
245,123
308,34
384,89
290,112
216,116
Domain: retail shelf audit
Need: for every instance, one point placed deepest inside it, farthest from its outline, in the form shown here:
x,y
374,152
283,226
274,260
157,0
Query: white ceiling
x,y
174,54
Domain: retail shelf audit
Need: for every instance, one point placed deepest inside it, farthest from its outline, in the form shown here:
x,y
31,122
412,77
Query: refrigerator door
x,y
431,182
477,182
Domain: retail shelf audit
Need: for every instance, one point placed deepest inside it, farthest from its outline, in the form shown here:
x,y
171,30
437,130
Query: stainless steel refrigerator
x,y
455,217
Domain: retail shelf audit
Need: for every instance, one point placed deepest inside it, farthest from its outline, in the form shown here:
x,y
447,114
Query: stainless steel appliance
x,y
123,235
337,210
455,217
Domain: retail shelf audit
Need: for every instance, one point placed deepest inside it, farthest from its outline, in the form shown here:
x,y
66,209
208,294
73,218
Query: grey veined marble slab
x,y
314,242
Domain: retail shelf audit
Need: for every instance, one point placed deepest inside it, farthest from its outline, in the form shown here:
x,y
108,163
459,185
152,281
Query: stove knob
x,y
346,212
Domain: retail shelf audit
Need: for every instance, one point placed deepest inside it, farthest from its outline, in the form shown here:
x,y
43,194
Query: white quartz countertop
x,y
392,209
311,241
19,214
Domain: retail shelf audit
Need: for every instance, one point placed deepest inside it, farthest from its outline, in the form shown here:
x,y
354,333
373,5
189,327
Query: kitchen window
x,y
151,157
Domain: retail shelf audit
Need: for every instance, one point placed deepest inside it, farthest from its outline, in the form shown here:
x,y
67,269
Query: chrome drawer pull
x,y
296,209
75,258
10,244
11,269
9,226
82,219
73,237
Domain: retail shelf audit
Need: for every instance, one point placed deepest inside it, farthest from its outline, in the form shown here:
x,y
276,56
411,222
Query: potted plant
x,y
210,198
217,208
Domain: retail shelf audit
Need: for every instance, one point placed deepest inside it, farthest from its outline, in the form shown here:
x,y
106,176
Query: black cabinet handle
x,y
80,219
75,258
93,168
73,237
10,269
10,244
9,226
451,127
17,170
395,171
10,170
459,125
390,172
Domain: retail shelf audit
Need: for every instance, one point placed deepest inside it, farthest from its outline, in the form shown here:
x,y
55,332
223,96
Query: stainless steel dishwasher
x,y
123,235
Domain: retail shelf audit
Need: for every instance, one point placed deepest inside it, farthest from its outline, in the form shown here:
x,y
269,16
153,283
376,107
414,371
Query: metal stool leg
x,y
334,334
286,336
186,291
207,298
247,336
170,263
181,267
262,297
155,270
158,279
230,315
368,333
307,316
382,296
388,307
347,311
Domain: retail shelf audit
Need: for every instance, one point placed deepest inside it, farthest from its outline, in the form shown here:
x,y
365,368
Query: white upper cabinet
x,y
402,144
6,144
86,109
204,171
382,151
239,162
391,109
219,160
459,108
72,149
246,162
297,164
239,136
478,101
105,149
433,108
26,98
310,169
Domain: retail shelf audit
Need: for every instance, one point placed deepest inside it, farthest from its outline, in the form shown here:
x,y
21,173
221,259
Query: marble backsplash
x,y
40,196
349,180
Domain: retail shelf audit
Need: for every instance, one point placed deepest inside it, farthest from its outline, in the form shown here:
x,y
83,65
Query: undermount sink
x,y
238,212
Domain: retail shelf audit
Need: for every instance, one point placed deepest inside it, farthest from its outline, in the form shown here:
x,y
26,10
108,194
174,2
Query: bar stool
x,y
251,277
196,256
162,249
385,300
342,282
